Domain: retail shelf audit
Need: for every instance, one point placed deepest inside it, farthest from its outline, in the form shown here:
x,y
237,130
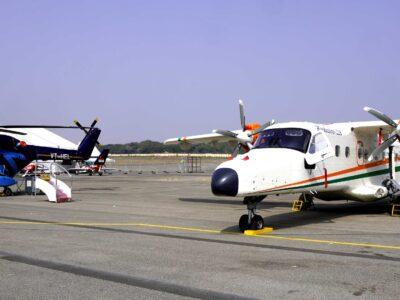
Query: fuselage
x,y
327,161
16,154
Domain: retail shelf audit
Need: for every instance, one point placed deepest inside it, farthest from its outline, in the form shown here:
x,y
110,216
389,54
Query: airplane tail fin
x,y
87,145
101,159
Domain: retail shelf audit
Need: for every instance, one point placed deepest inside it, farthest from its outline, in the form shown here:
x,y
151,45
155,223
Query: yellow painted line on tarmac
x,y
202,230
329,242
181,228
258,234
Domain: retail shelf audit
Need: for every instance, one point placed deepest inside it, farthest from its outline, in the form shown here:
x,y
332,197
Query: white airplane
x,y
94,167
341,161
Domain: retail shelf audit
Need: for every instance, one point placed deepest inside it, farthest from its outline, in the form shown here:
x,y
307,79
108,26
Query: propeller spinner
x,y
395,135
245,137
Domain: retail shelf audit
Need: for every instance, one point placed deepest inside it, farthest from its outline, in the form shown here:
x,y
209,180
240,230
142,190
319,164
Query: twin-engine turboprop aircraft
x,y
342,161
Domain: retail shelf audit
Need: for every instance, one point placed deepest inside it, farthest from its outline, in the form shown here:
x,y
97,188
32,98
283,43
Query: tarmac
x,y
165,236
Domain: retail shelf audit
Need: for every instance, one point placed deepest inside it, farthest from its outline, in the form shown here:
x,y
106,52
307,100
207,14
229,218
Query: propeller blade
x,y
94,122
242,116
236,150
225,133
12,131
381,116
383,146
262,127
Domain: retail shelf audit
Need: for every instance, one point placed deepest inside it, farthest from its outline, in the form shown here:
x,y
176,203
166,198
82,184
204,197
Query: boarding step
x,y
395,210
56,190
297,205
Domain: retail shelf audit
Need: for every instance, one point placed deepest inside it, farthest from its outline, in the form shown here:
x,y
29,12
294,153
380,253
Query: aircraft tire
x,y
257,223
243,226
8,192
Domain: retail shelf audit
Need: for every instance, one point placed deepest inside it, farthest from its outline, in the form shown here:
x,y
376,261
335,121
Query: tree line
x,y
148,146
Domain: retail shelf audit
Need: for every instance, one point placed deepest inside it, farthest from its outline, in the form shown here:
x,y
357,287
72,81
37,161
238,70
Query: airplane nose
x,y
225,182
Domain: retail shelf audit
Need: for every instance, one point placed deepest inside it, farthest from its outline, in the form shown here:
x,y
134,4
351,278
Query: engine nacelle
x,y
251,127
369,192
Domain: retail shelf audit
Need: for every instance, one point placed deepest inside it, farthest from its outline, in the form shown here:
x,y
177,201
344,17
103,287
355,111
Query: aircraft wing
x,y
200,139
373,126
77,171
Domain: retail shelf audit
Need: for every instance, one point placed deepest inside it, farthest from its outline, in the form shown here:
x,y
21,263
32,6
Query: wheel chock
x,y
297,205
265,230
395,210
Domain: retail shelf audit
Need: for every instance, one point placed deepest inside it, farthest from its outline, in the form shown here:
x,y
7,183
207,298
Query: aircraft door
x,y
360,153
320,148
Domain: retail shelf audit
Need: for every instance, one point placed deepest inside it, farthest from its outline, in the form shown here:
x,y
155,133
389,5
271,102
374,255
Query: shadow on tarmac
x,y
262,205
322,213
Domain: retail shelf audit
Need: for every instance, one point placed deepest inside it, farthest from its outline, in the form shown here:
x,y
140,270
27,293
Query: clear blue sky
x,y
158,69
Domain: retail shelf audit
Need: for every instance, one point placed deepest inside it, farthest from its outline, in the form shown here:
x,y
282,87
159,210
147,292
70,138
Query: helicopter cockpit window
x,y
290,138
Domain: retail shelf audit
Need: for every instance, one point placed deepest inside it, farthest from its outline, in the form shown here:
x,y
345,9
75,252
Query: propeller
x,y
85,129
395,135
245,137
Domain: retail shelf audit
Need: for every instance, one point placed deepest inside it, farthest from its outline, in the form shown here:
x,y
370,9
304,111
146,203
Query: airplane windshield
x,y
290,138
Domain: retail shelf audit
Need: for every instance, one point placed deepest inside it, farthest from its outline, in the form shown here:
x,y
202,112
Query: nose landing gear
x,y
251,220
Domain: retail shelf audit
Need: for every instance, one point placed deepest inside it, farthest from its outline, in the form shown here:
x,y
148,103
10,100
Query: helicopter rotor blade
x,y
12,131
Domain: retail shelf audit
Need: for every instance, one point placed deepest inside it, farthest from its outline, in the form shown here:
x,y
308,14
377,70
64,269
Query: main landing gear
x,y
7,192
394,195
251,220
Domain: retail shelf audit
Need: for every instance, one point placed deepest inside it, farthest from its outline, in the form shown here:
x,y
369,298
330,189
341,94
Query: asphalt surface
x,y
165,236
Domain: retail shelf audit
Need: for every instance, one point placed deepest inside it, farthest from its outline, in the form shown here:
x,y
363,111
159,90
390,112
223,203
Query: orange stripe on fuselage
x,y
341,172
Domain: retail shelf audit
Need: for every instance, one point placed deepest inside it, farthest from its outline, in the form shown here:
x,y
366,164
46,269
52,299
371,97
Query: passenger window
x,y
360,153
366,154
337,150
347,151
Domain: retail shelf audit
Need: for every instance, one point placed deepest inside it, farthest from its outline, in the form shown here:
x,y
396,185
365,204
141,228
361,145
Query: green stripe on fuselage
x,y
348,178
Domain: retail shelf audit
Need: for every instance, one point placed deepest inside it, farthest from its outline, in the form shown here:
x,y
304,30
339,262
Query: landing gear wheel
x,y
243,223
90,173
257,223
7,192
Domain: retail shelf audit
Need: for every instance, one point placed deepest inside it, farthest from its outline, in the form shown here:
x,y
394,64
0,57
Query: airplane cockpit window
x,y
8,142
290,138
